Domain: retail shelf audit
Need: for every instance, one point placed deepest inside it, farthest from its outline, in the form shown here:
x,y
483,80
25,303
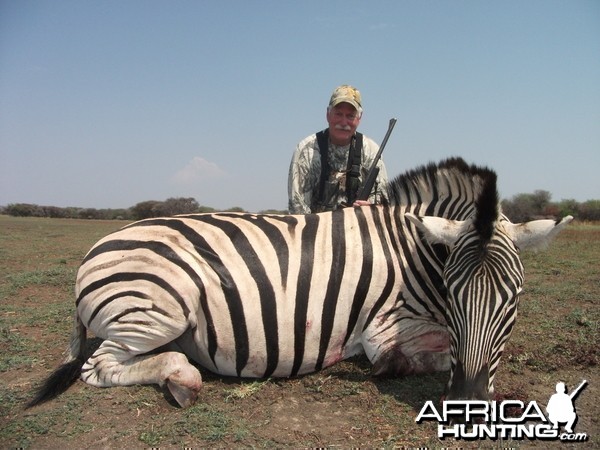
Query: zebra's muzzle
x,y
463,387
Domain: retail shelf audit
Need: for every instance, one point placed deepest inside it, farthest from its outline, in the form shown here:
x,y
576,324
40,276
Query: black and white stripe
x,y
269,295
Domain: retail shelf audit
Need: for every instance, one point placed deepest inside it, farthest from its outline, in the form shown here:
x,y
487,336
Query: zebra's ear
x,y
536,234
438,230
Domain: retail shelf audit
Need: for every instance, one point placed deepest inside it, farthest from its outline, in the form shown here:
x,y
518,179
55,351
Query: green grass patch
x,y
244,390
60,275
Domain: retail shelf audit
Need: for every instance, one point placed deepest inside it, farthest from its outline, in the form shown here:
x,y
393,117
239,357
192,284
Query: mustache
x,y
343,127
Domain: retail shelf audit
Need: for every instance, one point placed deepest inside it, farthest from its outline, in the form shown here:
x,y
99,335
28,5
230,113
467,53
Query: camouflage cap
x,y
348,94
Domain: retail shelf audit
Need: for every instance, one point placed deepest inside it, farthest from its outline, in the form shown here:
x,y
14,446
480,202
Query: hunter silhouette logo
x,y
560,407
479,419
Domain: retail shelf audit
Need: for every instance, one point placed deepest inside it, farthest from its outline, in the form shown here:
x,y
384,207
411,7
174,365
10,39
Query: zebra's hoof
x,y
185,396
185,382
392,362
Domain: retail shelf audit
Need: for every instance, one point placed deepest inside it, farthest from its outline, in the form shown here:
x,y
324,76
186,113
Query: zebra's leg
x,y
113,364
395,361
423,353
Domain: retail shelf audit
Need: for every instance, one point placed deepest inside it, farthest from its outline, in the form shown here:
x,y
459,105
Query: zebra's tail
x,y
66,374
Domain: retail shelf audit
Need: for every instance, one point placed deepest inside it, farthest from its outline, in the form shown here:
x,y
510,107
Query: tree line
x,y
142,210
519,208
523,207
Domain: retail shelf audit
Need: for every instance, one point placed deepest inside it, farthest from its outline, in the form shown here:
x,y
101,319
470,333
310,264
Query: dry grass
x,y
556,339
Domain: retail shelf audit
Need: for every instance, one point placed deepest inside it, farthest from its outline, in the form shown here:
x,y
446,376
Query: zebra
x,y
427,282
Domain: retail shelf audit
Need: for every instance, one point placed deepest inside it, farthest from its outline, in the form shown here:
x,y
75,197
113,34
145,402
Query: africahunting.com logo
x,y
478,419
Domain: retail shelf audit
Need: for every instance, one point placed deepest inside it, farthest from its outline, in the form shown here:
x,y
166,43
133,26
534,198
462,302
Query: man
x,y
346,162
560,408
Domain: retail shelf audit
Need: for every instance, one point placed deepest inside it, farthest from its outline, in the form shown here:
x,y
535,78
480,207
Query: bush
x,y
24,210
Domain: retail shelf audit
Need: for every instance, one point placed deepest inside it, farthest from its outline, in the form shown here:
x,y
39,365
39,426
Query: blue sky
x,y
105,104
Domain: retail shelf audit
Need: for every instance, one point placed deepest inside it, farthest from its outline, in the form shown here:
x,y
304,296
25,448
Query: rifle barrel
x,y
385,139
374,171
574,393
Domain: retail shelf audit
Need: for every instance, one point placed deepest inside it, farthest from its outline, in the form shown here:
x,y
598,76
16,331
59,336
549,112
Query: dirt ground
x,y
556,339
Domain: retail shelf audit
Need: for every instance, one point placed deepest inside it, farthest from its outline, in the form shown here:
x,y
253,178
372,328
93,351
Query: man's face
x,y
343,119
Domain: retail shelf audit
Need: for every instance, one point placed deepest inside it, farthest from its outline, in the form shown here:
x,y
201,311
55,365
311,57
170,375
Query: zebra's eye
x,y
519,292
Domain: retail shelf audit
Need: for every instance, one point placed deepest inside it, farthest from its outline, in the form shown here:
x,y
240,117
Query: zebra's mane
x,y
452,189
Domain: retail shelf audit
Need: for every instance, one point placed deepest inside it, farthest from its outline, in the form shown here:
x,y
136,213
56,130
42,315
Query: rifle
x,y
364,193
574,394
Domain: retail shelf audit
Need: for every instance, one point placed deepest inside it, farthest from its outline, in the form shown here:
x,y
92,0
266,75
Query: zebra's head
x,y
483,276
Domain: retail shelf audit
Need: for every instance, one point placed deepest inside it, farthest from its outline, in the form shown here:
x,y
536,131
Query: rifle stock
x,y
365,191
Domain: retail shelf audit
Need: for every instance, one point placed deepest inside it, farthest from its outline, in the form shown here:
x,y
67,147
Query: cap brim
x,y
346,100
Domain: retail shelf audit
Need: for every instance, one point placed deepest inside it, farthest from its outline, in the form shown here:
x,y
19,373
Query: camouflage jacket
x,y
305,174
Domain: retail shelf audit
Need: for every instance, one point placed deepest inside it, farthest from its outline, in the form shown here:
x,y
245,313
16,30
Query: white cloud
x,y
197,170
